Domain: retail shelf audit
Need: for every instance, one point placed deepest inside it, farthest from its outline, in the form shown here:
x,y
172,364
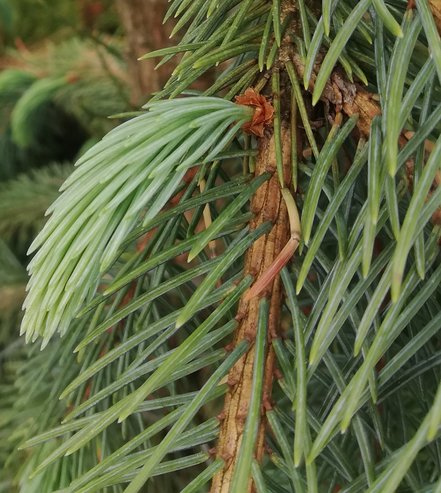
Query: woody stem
x,y
267,205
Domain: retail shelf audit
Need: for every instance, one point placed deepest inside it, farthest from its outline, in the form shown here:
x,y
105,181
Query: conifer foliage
x,y
239,290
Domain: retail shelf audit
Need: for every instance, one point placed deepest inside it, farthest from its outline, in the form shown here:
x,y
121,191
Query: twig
x,y
267,205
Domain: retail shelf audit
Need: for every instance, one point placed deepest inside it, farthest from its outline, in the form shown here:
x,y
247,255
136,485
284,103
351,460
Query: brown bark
x,y
142,21
435,6
350,97
267,205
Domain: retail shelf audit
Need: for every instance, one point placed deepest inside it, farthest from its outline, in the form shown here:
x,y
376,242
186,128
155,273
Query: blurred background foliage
x,y
33,21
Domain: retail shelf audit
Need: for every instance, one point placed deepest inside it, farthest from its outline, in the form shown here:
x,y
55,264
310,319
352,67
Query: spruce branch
x,y
343,95
341,354
267,204
176,135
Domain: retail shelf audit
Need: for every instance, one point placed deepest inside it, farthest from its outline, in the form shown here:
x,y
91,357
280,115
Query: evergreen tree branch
x,y
350,97
267,204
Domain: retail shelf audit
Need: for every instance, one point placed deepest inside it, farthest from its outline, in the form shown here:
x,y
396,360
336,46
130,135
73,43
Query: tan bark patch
x,y
267,205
